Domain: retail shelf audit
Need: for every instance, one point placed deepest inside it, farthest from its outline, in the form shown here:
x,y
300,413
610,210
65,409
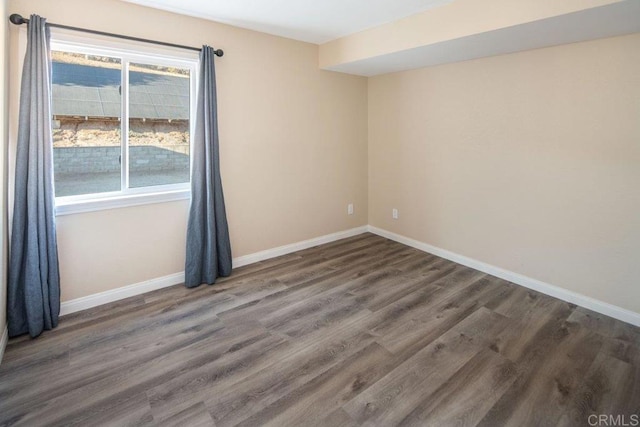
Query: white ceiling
x,y
314,21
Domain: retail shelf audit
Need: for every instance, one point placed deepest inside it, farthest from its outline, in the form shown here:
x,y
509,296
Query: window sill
x,y
120,201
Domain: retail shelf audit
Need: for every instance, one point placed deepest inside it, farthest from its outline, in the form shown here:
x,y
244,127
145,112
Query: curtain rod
x,y
19,20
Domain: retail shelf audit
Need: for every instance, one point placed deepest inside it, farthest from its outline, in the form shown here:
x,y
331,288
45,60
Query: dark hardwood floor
x,y
363,331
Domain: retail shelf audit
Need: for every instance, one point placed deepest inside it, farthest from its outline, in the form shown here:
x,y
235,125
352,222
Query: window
x,y
122,125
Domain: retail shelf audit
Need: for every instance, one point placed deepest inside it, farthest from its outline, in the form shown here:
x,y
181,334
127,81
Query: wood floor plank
x,y
113,385
102,312
340,247
392,398
256,392
163,331
604,325
31,350
330,282
308,319
607,387
456,401
328,390
193,416
421,300
159,331
70,377
379,293
552,385
528,338
131,410
423,327
300,259
336,418
522,303
359,332
187,388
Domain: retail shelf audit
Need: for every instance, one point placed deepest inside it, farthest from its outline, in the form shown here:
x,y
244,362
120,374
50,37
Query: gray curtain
x,y
33,302
208,249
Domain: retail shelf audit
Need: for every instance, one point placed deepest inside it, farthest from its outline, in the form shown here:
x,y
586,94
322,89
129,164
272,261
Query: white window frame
x,y
128,52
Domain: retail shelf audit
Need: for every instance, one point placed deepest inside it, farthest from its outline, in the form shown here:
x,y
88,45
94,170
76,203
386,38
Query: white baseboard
x,y
293,247
101,298
3,342
112,295
537,285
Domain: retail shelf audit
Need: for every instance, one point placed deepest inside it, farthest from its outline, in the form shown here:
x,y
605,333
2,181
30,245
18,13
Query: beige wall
x,y
529,162
293,148
4,117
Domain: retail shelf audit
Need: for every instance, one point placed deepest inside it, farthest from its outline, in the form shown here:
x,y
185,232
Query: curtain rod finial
x,y
17,19
219,52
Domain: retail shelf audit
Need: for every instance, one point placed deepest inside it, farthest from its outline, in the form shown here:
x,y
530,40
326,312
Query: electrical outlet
x,y
350,209
394,213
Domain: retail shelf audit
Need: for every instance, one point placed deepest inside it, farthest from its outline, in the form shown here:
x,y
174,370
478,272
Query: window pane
x,y
158,125
86,123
